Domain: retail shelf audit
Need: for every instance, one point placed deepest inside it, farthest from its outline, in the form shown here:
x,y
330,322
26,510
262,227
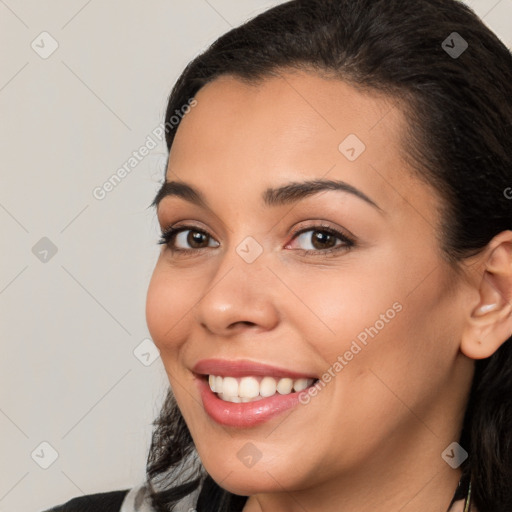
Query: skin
x,y
371,440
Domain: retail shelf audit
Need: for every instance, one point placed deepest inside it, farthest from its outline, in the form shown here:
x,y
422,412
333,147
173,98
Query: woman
x,y
333,298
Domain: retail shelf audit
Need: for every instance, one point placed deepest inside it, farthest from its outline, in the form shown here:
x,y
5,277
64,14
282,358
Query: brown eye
x,y
187,239
321,239
195,239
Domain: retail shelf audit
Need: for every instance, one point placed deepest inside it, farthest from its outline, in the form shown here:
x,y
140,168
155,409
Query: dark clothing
x,y
102,502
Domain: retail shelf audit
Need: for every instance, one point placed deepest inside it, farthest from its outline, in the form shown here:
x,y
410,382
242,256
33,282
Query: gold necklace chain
x,y
467,503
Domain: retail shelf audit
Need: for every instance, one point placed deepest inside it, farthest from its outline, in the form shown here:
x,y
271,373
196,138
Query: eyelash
x,y
169,234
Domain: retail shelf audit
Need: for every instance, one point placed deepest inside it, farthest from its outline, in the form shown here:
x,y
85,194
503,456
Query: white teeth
x,y
218,385
255,399
250,389
230,386
284,386
300,384
268,386
234,399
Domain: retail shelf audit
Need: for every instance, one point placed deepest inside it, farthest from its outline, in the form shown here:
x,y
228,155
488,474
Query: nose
x,y
240,296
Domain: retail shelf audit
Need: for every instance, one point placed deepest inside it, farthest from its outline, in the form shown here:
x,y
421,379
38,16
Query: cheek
x,y
341,306
376,333
167,304
407,361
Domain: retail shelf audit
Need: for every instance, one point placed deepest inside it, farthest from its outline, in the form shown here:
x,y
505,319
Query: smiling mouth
x,y
254,388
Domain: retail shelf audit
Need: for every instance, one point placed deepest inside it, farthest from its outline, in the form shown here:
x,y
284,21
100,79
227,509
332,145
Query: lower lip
x,y
244,415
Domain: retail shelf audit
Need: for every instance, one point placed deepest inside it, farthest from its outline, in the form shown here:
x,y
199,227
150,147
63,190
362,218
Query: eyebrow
x,y
285,194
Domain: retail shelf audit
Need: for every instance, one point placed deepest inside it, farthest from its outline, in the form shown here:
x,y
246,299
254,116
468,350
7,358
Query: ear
x,y
489,323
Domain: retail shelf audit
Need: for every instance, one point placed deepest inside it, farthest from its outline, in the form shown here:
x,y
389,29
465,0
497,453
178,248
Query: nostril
x,y
242,322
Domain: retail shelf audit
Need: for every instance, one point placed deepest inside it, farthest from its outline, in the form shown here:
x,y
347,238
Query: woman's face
x,y
343,284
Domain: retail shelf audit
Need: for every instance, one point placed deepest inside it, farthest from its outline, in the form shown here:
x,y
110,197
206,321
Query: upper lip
x,y
245,368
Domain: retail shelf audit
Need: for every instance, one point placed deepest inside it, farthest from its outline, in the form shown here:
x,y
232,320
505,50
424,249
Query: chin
x,y
247,482
262,477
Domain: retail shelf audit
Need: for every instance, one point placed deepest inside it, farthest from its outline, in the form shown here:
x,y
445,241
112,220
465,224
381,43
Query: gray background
x,y
75,370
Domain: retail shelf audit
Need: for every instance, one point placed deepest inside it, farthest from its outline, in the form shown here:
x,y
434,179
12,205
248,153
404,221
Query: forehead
x,y
297,125
290,108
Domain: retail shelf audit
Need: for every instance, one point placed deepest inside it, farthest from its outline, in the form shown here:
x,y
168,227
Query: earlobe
x,y
489,323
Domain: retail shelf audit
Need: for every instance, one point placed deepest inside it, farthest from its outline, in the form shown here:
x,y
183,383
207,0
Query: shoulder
x,y
101,502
